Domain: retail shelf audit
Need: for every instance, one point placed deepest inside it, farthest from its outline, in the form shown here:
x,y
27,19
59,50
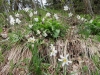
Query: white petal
x,y
51,54
67,55
61,56
54,54
69,61
60,60
55,51
63,63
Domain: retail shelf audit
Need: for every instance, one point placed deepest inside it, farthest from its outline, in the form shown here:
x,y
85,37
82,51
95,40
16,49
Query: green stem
x,y
65,70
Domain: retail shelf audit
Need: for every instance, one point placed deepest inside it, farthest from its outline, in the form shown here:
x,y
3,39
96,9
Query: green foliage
x,y
35,65
15,36
1,2
51,27
90,28
85,68
1,30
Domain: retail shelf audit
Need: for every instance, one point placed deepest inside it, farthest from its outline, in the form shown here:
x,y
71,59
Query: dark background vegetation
x,y
78,6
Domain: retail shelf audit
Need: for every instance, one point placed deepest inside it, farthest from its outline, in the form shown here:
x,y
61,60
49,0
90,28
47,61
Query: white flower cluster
x,y
70,14
53,51
56,16
48,14
81,18
31,40
31,13
13,21
66,8
36,19
26,9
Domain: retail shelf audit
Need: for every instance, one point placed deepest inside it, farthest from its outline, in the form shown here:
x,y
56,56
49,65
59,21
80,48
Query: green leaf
x,y
56,33
0,30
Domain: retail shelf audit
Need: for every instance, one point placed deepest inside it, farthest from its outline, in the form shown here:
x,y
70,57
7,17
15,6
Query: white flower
x,y
31,40
82,19
45,34
31,14
35,12
64,60
51,46
30,26
85,20
18,21
17,15
70,14
78,17
66,8
12,20
48,14
56,16
91,21
26,9
38,32
43,20
36,19
53,51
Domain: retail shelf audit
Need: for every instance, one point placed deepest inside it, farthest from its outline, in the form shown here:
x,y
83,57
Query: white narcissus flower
x,y
12,20
51,46
70,14
43,20
36,19
38,32
30,26
64,60
31,40
31,14
91,21
48,14
18,21
56,16
53,51
85,20
78,17
45,34
17,15
66,8
82,19
35,12
26,9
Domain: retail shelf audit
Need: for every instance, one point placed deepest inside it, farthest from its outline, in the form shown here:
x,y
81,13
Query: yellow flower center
x,y
32,41
64,60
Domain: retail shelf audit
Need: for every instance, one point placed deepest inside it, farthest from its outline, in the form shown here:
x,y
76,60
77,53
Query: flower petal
x,y
60,60
63,63
67,55
69,61
61,56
